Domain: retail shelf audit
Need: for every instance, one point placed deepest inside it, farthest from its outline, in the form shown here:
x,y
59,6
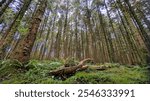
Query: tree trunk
x,y
23,50
105,41
58,40
112,52
141,28
8,36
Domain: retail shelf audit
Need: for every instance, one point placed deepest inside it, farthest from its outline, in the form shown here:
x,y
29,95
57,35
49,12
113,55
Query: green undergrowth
x,y
36,72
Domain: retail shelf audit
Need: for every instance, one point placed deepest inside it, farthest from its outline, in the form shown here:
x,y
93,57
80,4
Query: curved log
x,y
70,70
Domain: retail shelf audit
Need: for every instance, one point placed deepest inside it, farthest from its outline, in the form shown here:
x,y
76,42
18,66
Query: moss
x,y
9,69
48,81
89,78
116,75
70,62
17,79
38,70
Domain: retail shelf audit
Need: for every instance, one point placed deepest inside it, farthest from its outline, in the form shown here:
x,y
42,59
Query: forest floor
x,y
37,73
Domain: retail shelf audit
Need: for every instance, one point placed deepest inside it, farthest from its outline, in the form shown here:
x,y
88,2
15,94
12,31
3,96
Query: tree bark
x,y
23,50
8,36
144,35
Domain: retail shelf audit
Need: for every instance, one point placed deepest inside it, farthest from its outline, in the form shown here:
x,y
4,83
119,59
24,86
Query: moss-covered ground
x,y
36,72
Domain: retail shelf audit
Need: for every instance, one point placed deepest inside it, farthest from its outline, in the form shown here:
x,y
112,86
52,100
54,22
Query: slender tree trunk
x,y
91,32
107,51
128,36
65,31
137,56
144,34
58,40
87,44
113,56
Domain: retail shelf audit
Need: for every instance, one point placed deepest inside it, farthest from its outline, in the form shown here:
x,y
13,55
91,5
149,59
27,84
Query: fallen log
x,y
83,68
70,70
104,67
100,68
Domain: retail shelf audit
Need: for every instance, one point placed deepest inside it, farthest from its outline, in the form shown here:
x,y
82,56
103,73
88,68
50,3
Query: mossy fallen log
x,y
70,70
100,68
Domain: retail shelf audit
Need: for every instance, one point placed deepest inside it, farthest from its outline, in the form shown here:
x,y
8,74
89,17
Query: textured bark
x,y
23,50
8,36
